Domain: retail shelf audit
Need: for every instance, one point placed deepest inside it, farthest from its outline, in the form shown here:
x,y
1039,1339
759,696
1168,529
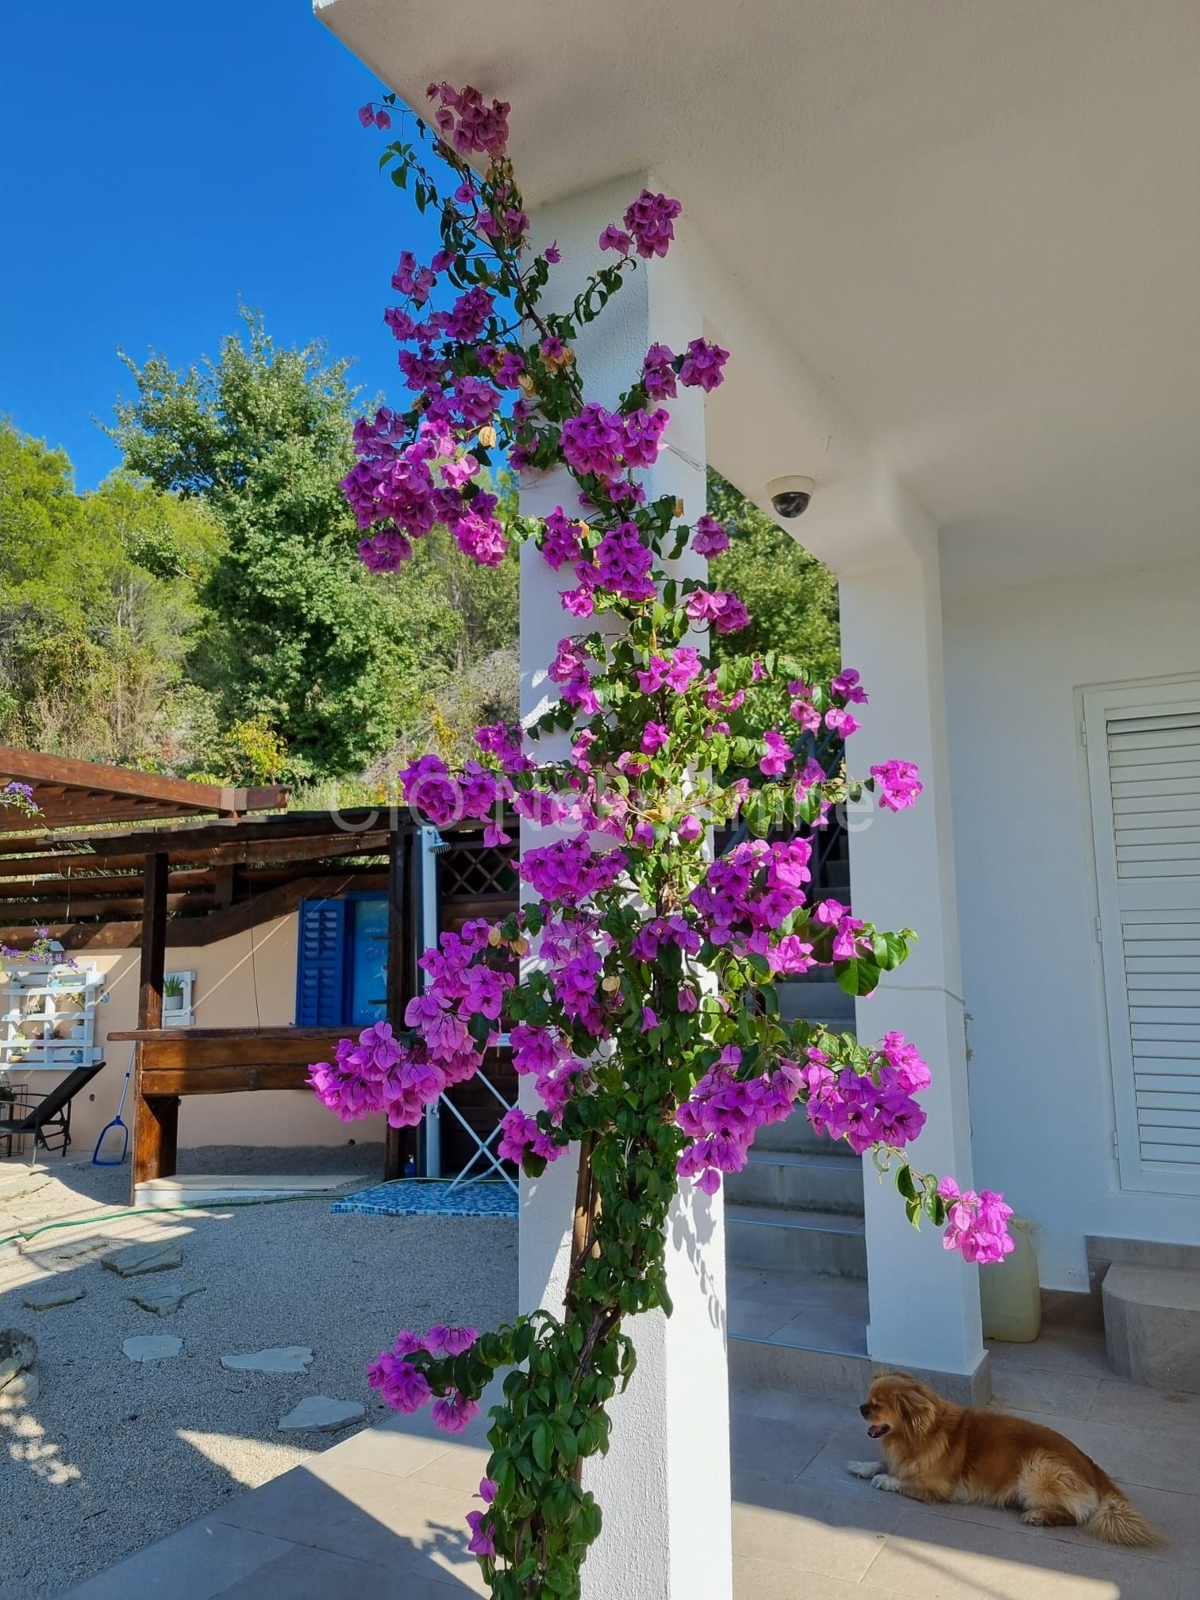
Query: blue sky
x,y
161,160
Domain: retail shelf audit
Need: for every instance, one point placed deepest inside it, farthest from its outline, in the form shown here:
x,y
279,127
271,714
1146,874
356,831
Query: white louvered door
x,y
1144,765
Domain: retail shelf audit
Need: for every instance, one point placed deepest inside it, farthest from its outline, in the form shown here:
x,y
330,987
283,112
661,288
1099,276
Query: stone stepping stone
x,y
19,1391
152,1347
158,1256
167,1299
287,1358
318,1414
62,1250
17,1352
49,1297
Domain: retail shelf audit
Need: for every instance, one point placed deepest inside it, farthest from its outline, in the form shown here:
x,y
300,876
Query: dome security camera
x,y
790,495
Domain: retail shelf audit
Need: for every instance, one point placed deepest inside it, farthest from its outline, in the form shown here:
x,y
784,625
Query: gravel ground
x,y
112,1455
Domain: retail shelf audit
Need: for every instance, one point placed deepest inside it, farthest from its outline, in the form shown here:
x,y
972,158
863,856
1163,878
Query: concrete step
x,y
797,1136
797,1181
200,1189
1152,1325
805,1333
822,1002
795,1241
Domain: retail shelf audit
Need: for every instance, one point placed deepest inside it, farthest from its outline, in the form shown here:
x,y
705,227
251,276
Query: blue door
x,y
368,961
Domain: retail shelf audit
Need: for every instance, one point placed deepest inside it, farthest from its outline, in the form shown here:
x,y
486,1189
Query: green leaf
x,y
859,976
564,1438
543,1446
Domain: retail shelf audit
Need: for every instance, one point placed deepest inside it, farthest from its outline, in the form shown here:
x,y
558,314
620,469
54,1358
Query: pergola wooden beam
x,y
320,847
188,932
221,877
191,841
17,895
69,791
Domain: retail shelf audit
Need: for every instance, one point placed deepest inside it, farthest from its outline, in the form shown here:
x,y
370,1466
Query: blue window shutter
x,y
321,964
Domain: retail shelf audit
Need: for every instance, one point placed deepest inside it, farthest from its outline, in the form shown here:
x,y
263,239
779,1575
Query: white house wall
x,y
1017,660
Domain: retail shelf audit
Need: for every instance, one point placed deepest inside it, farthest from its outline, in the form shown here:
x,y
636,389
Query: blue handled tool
x,y
120,1140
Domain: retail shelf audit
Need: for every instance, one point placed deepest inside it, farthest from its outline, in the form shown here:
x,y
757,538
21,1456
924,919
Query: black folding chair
x,y
46,1119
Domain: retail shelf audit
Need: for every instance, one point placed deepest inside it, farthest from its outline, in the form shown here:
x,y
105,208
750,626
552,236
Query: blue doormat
x,y
426,1197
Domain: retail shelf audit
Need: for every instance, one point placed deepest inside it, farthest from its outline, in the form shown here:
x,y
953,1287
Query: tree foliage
x,y
205,610
791,597
98,611
298,634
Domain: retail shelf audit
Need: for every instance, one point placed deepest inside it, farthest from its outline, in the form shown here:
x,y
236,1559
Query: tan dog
x,y
934,1450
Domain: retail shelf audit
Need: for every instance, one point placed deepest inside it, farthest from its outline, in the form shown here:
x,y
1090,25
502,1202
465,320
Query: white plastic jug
x,y
1010,1298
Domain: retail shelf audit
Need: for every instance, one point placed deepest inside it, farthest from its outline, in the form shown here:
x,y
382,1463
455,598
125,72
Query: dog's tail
x,y
1117,1522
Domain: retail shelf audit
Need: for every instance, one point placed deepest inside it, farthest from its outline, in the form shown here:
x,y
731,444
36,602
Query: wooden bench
x,y
172,1062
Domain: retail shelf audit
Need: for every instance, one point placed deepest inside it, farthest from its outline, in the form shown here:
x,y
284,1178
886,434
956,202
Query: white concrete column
x,y
924,1299
664,1485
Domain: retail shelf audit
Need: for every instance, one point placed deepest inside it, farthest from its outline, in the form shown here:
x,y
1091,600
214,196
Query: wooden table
x,y
172,1062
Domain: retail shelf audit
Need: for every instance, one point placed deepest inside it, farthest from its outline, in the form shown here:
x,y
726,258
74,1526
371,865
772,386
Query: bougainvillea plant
x,y
646,1014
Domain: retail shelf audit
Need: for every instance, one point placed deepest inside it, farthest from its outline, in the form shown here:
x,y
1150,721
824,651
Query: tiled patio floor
x,y
762,1305
380,1517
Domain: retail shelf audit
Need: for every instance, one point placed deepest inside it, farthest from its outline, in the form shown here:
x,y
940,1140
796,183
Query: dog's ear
x,y
916,1406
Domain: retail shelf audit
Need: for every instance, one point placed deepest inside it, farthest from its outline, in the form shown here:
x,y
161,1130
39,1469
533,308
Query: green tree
x,y
98,610
791,597
487,599
300,635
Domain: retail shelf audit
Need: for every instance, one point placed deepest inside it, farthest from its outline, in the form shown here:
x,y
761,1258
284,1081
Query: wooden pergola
x,y
70,793
197,881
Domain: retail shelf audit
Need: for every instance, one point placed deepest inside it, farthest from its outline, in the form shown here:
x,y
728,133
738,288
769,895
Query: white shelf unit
x,y
48,1018
178,1010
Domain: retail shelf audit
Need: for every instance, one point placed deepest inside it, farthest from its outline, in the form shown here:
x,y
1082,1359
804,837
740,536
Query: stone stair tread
x,y
1152,1324
1176,1288
812,1221
797,1134
829,1161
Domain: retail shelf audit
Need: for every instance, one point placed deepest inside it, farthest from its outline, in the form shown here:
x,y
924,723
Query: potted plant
x,y
173,992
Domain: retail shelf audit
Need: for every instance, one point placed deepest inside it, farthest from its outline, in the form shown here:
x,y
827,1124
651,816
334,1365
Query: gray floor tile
x,y
765,1447
811,1530
1075,1350
754,1319
825,1330
383,1450
827,1470
197,1563
943,1560
1153,1460
1128,1405
308,1574
460,1468
447,1575
769,1580
1064,1394
350,1511
832,1412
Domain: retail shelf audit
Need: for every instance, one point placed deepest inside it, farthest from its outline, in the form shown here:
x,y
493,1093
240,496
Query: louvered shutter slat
x,y
1144,764
321,963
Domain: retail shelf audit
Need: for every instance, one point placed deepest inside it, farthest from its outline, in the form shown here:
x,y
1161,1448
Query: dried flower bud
x,y
487,438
